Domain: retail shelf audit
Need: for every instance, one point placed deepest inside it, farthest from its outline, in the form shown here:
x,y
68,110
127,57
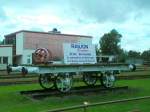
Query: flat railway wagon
x,y
61,76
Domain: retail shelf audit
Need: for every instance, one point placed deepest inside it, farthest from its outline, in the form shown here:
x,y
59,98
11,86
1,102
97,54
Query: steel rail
x,y
99,103
38,94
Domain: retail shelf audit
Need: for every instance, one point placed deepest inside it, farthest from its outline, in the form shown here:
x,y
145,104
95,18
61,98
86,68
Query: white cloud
x,y
82,17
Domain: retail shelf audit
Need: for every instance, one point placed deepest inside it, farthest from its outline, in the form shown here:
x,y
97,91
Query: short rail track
x,y
84,90
17,82
7,83
132,77
17,76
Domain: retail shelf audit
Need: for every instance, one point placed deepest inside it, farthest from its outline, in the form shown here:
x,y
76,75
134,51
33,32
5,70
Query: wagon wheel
x,y
90,78
64,82
42,55
107,80
46,81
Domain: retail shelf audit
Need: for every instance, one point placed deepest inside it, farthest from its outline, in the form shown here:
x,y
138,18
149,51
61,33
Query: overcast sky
x,y
131,18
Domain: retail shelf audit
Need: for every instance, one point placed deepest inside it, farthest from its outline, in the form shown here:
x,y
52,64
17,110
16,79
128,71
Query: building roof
x,y
14,34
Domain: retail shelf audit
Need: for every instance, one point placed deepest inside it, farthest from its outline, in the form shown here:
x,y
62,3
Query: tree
x,y
97,52
146,55
122,56
110,43
134,54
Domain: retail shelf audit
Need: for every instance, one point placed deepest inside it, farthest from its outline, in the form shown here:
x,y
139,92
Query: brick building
x,y
25,42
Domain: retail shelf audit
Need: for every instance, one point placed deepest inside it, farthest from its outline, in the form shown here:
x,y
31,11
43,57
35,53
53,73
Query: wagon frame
x,y
61,76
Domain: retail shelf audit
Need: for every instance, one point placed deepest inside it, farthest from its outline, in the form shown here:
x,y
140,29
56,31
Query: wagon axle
x,y
64,81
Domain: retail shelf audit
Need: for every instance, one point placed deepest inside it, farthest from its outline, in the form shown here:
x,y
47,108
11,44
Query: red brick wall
x,y
52,42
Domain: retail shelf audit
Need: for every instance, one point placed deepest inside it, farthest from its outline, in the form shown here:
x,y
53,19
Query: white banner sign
x,y
78,53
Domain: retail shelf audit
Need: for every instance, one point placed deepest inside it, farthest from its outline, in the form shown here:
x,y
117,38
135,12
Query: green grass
x,y
12,101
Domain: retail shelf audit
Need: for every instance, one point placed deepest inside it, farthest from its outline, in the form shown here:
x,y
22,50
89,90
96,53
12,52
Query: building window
x,y
14,41
28,61
5,60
